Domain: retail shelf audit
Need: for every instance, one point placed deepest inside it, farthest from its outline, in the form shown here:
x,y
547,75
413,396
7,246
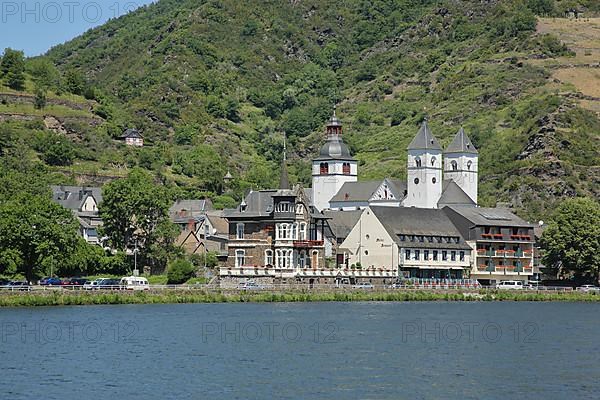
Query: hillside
x,y
213,84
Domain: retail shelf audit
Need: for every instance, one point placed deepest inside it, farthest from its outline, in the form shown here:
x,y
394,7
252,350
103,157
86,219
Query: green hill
x,y
214,84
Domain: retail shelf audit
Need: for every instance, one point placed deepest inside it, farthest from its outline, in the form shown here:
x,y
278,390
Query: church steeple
x,y
284,181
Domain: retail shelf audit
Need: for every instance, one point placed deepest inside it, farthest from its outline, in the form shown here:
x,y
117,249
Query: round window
x,y
416,181
368,237
366,252
433,180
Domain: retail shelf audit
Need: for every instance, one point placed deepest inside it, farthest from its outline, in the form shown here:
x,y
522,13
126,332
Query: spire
x,y
284,181
461,144
424,139
334,126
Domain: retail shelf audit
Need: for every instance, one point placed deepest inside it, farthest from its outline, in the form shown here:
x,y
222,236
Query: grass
x,y
65,298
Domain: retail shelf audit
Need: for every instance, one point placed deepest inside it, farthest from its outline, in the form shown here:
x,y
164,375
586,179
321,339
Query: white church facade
x,y
435,177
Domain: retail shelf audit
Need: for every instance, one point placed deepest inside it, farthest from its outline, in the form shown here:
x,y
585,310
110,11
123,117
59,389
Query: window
x,y
366,252
324,168
239,231
407,255
462,256
284,206
240,258
294,233
433,180
426,255
302,230
418,162
284,258
299,209
430,239
315,259
433,160
283,232
452,256
421,239
268,257
402,237
346,168
417,255
454,165
302,259
469,164
435,255
416,181
444,255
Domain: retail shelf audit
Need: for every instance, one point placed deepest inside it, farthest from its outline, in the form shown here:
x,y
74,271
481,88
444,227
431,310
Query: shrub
x,y
179,272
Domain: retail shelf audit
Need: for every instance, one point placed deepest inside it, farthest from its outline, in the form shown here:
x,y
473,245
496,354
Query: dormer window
x,y
433,160
469,164
284,206
454,165
418,162
299,209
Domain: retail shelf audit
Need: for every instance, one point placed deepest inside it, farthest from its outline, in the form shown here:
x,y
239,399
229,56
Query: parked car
x,y
91,285
19,286
364,285
588,289
109,284
50,282
74,283
508,285
134,283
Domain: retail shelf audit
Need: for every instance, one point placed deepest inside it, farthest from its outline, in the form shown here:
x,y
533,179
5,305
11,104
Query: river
x,y
471,350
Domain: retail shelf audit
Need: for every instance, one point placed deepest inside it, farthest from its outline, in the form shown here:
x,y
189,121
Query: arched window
x,y
240,258
454,165
239,231
283,232
268,257
469,164
315,259
346,168
324,168
294,231
433,160
302,230
418,162
302,259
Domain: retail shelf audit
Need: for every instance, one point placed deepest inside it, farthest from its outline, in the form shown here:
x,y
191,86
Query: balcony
x,y
520,237
492,236
308,243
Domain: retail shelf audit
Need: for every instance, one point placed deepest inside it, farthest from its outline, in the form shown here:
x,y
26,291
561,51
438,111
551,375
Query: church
x,y
435,177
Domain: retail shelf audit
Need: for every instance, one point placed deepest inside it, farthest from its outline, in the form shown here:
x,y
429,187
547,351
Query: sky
x,y
34,26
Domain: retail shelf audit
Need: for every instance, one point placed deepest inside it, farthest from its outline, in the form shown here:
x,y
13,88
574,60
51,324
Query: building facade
x,y
502,243
84,203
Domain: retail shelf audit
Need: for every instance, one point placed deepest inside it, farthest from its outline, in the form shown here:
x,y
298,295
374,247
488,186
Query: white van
x,y
134,283
510,285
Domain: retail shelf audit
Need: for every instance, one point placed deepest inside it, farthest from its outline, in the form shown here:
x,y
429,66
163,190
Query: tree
x,y
135,210
180,271
40,98
36,236
74,82
44,73
13,68
57,150
571,242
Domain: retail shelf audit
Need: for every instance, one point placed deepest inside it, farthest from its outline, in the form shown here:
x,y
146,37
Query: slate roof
x,y
334,149
482,216
73,197
219,222
342,222
363,191
461,144
131,133
424,139
420,222
452,194
192,207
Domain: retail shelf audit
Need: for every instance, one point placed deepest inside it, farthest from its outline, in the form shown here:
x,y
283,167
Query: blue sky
x,y
36,25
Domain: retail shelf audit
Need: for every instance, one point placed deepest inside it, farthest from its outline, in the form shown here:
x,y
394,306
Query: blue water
x,y
302,350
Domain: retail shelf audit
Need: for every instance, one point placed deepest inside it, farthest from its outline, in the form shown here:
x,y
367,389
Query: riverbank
x,y
71,298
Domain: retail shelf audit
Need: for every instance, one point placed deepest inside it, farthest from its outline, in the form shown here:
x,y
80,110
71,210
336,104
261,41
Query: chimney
x,y
191,224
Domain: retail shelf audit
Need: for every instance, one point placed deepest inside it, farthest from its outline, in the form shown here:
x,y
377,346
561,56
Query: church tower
x,y
333,167
461,163
424,170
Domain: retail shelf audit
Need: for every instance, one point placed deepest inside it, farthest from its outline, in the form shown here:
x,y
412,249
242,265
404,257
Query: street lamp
x,y
135,268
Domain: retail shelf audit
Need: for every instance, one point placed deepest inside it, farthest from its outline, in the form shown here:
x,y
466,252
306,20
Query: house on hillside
x,y
133,137
83,201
